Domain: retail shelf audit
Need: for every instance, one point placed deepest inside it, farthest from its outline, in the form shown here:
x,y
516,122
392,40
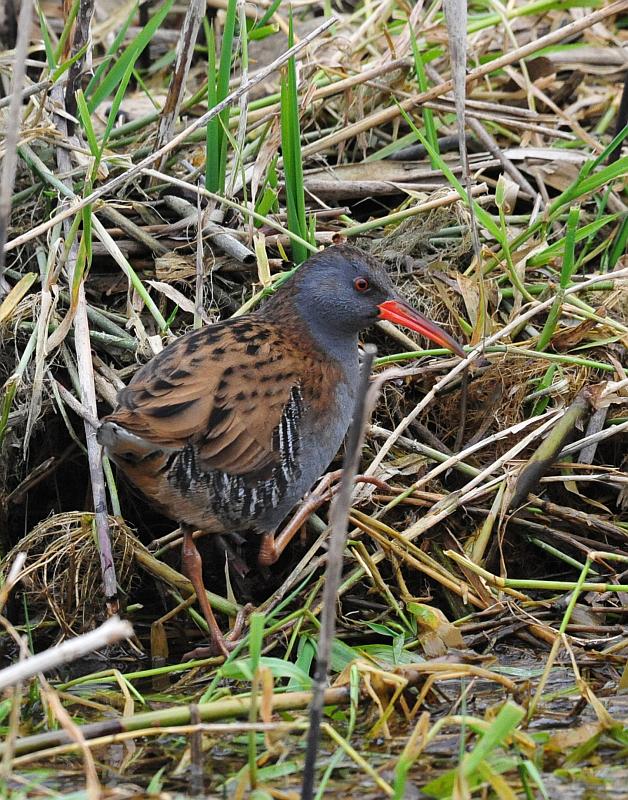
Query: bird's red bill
x,y
403,314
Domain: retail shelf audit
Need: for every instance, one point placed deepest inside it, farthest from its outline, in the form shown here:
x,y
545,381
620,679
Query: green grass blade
x,y
65,33
580,187
569,260
557,249
212,140
616,141
484,218
257,34
545,382
100,71
130,55
45,35
224,75
218,77
87,234
267,15
428,114
619,245
289,168
551,322
292,158
587,183
115,107
86,122
63,68
226,51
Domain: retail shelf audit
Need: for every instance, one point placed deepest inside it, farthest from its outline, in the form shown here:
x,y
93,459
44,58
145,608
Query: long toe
x,y
212,650
223,645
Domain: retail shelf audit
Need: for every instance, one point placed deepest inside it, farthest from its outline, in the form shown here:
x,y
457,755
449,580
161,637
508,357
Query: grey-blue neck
x,y
329,331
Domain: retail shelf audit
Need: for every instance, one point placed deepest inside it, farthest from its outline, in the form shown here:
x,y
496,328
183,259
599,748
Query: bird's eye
x,y
361,284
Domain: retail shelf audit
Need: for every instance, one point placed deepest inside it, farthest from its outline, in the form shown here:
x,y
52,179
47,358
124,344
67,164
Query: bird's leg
x,y
193,569
271,546
229,641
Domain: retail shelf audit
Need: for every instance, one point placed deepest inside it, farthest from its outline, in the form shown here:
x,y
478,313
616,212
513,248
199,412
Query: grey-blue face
x,y
342,290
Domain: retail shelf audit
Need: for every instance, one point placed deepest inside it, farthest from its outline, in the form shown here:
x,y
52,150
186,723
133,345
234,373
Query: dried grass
x,y
61,578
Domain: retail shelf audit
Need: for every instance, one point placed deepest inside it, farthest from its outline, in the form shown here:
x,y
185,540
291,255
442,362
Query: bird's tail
x,y
122,444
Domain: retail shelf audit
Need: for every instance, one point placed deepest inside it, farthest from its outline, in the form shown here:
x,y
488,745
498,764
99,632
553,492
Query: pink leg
x,y
193,569
271,546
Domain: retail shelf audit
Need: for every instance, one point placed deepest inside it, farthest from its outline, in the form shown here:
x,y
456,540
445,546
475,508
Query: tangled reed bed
x,y
436,552
430,252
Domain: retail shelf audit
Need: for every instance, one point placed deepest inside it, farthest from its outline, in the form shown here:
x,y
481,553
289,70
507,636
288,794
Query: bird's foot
x,y
218,648
222,645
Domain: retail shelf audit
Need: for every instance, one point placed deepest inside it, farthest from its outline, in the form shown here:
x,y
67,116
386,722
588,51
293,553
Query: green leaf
x,y
257,34
267,201
63,68
620,243
86,122
428,114
484,218
110,55
5,708
256,637
115,107
292,158
383,630
610,147
43,27
557,249
217,89
390,655
267,15
87,233
305,659
584,184
155,783
569,258
222,89
341,655
509,716
242,669
545,382
129,56
67,27
213,140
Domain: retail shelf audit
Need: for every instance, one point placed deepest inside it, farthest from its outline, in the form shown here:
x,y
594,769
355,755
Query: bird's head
x,y
342,290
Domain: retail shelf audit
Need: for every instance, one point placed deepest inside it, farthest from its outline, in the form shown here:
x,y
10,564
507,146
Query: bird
x,y
230,425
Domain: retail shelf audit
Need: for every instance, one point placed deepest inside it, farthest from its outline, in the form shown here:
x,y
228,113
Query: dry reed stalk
x,y
110,632
380,118
217,234
84,360
338,523
149,160
12,577
185,50
14,118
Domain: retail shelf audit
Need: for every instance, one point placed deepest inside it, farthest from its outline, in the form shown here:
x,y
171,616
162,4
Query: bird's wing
x,y
223,389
